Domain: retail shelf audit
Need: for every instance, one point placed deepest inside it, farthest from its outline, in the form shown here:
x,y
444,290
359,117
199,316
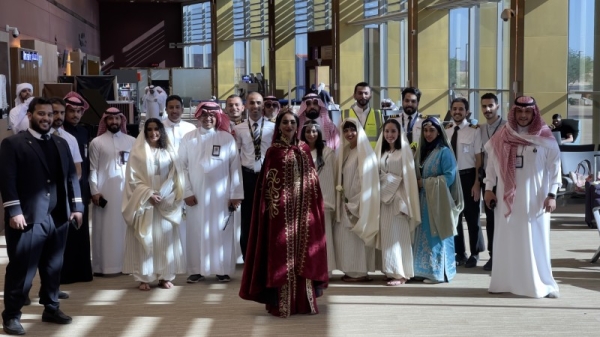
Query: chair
x,y
576,125
596,212
577,148
569,161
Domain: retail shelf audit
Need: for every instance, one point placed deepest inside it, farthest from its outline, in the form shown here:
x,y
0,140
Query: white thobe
x,y
396,246
153,105
351,255
107,177
213,174
71,141
17,118
327,182
166,256
522,241
175,132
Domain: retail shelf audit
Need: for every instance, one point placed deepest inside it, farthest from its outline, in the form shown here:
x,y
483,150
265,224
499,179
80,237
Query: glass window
x,y
197,35
310,16
478,59
250,30
580,66
386,46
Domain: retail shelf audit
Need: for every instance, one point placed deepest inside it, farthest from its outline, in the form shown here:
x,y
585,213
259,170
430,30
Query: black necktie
x,y
45,136
454,139
409,130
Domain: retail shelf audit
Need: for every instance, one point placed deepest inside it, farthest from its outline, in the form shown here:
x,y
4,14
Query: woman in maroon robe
x,y
286,259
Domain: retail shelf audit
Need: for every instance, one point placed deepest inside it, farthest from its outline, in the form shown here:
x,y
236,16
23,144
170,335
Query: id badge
x,y
519,162
216,150
124,157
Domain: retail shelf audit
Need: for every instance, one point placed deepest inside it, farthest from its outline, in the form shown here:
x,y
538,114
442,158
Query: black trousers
x,y
39,246
250,179
489,222
77,263
471,215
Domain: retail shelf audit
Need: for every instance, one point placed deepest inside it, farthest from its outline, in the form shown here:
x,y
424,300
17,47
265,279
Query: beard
x,y
312,114
363,102
114,128
410,110
57,123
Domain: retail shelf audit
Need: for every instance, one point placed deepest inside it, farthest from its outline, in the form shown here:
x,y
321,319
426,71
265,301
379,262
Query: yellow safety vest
x,y
372,126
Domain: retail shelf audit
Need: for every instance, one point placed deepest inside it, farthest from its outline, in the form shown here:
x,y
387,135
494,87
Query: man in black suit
x,y
41,196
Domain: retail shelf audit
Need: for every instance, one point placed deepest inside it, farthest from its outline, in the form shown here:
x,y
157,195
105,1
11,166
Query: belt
x,y
467,171
247,170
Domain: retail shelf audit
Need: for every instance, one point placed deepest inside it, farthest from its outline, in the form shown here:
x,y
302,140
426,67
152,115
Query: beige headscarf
x,y
409,190
137,210
367,225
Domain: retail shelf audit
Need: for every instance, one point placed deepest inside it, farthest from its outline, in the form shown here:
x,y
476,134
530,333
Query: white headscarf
x,y
409,191
20,88
367,226
137,210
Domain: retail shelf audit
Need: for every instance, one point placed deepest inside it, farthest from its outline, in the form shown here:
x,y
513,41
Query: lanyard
x,y
257,141
487,129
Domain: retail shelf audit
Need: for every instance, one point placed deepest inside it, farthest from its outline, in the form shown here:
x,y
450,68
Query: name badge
x,y
124,157
519,162
216,151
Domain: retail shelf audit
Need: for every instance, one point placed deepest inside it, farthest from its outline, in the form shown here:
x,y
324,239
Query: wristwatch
x,y
551,195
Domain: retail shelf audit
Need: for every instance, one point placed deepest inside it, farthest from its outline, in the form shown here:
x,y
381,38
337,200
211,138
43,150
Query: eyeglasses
x,y
272,105
207,115
314,102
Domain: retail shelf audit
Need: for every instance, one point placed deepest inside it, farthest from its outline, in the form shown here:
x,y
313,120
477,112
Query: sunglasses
x,y
314,102
271,105
386,105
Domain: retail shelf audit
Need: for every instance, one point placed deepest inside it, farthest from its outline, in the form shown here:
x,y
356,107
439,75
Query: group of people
x,y
375,192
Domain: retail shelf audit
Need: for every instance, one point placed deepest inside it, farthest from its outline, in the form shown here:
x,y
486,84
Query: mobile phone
x,y
73,223
102,202
492,204
231,208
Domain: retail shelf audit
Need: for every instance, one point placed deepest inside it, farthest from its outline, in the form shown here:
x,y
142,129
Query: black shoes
x,y
223,278
488,265
27,301
461,259
472,261
55,316
195,278
13,327
62,295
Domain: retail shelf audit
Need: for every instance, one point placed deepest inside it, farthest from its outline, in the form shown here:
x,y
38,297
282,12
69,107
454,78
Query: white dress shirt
x,y
468,144
245,142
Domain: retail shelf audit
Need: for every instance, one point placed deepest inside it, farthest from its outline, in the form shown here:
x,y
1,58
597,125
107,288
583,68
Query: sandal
x,y
396,282
165,284
144,286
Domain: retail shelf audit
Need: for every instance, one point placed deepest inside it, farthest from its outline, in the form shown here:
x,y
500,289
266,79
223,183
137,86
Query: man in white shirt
x,y
410,118
18,120
154,102
253,138
234,108
59,106
109,154
176,128
466,144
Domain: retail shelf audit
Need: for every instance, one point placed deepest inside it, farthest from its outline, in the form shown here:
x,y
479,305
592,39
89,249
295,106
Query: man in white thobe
x,y
524,159
109,153
176,128
213,190
154,102
17,117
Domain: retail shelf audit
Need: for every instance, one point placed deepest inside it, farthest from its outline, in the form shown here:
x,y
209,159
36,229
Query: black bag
x,y
592,197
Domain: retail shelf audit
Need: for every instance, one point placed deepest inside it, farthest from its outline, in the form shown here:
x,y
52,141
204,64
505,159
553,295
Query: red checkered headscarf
x,y
330,131
112,112
75,100
508,139
222,119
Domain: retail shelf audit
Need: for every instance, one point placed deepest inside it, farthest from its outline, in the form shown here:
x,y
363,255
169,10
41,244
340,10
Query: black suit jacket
x,y
25,179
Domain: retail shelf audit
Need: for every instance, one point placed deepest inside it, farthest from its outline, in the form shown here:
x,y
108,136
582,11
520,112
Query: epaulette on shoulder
x,y
272,119
394,116
449,126
424,116
240,121
474,126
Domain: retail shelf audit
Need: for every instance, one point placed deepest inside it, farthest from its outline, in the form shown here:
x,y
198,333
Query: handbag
x,y
582,174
